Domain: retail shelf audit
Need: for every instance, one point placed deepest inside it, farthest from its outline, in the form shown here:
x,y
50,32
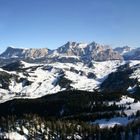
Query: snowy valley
x,y
82,87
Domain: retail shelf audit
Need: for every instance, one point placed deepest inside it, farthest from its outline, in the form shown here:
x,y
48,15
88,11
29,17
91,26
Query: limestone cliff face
x,y
25,53
83,51
36,53
90,51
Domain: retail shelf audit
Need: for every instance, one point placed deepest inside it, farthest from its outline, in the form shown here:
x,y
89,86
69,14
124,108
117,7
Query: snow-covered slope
x,y
131,108
134,54
129,53
112,122
21,79
123,50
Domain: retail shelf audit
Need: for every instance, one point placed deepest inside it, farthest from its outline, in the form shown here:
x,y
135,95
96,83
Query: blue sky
x,y
51,23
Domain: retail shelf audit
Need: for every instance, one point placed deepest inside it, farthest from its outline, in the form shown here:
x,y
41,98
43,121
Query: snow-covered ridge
x,y
92,51
36,80
82,51
28,80
131,109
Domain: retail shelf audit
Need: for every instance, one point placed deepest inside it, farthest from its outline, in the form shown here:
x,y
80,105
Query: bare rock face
x,y
109,54
71,49
80,51
36,53
90,51
102,52
24,53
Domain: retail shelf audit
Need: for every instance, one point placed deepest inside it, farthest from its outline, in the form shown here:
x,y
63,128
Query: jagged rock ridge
x,y
24,53
81,51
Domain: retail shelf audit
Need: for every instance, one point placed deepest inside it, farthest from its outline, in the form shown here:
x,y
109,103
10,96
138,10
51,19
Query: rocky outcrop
x,y
123,50
70,52
24,53
92,51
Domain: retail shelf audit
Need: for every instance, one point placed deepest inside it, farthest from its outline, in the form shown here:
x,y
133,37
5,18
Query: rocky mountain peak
x,y
82,51
24,53
123,50
74,45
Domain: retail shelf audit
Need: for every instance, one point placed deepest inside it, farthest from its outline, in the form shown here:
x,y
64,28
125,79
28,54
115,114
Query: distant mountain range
x,y
92,51
91,83
73,51
37,72
24,53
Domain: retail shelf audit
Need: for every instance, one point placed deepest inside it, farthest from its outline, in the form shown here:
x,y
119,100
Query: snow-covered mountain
x,y
123,50
73,66
12,52
92,51
134,54
129,53
93,82
21,79
79,74
71,50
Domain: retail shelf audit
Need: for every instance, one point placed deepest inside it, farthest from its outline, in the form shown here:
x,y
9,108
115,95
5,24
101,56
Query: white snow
x,y
77,137
131,89
134,107
15,136
26,65
102,69
112,122
124,100
136,72
128,102
42,80
25,130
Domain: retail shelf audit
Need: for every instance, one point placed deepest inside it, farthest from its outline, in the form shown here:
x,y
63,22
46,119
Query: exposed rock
x,y
91,75
25,53
123,50
68,53
13,66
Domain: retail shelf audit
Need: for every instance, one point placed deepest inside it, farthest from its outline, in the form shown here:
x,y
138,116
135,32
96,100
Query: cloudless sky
x,y
51,23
